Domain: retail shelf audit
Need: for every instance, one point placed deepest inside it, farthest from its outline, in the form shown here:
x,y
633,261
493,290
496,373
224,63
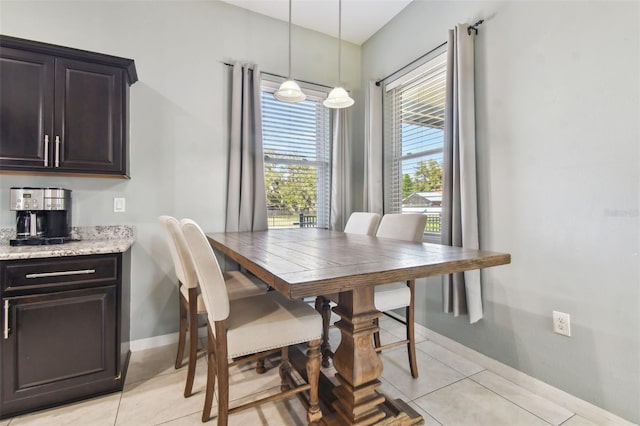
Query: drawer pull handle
x,y
61,273
46,150
57,158
6,319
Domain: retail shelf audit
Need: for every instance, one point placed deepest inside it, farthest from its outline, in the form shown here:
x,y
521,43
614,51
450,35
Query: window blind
x,y
296,151
414,134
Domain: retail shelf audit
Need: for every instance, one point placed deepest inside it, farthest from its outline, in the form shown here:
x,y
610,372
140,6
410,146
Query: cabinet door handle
x,y
6,319
57,160
61,273
46,150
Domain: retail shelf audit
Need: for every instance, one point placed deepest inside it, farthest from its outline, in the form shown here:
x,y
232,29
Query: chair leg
x,y
223,374
314,414
376,335
182,333
193,340
323,306
211,378
260,368
411,346
285,369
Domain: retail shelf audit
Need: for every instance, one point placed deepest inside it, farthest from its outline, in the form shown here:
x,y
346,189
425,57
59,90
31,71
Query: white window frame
x,y
393,157
270,84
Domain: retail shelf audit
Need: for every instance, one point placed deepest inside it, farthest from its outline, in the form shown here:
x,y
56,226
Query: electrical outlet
x,y
562,323
119,205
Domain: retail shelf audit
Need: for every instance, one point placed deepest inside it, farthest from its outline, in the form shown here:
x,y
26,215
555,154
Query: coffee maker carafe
x,y
43,215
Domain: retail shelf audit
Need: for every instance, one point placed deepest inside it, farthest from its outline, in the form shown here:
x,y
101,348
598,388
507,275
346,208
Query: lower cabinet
x,y
62,330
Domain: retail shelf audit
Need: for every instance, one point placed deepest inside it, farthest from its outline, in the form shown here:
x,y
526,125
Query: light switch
x,y
119,205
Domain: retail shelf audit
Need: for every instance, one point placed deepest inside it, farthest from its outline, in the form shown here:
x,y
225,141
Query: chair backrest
x,y
212,284
408,227
179,253
362,223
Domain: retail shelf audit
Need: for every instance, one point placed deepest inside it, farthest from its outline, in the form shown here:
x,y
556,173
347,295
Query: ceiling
x,y
360,18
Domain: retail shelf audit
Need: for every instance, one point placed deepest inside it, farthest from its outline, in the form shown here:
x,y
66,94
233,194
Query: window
x,y
413,142
296,159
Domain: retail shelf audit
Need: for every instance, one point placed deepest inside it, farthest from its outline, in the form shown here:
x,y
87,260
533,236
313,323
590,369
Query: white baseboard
x,y
153,342
157,341
580,407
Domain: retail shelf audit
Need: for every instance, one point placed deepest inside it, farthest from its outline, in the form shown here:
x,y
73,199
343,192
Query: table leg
x,y
357,364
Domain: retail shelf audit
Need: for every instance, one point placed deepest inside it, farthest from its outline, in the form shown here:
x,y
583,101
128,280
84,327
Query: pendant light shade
x,y
289,91
339,97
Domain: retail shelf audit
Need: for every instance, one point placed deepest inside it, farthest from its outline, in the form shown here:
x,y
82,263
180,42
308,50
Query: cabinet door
x,y
26,109
89,117
58,347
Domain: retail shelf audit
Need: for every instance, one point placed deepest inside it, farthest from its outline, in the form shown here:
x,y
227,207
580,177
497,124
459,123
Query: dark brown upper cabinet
x,y
63,110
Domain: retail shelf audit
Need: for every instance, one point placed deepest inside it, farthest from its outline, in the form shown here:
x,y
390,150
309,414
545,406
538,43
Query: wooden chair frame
x,y
188,324
410,328
218,367
323,306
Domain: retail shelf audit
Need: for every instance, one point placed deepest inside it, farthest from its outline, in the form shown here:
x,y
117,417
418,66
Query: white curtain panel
x,y
462,293
340,171
373,162
246,197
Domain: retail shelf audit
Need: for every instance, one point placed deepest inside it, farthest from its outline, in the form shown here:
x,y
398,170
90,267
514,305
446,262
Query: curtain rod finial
x,y
474,27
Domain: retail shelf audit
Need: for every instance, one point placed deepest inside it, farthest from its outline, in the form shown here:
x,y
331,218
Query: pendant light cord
x,y
289,76
339,39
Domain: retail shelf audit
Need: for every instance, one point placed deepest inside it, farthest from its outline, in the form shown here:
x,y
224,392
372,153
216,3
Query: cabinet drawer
x,y
62,273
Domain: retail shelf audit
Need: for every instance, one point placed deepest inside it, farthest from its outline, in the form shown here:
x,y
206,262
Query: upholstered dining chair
x,y
407,227
362,223
248,328
191,303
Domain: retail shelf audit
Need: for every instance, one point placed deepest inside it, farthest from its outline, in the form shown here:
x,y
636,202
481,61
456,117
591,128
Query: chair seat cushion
x,y
392,296
269,321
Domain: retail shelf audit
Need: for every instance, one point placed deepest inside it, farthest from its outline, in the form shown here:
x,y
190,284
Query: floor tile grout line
x,y
512,402
413,400
177,418
429,393
570,417
451,366
520,387
431,415
436,390
115,421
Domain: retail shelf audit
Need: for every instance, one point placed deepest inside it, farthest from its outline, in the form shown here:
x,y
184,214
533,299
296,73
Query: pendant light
x,y
289,91
338,97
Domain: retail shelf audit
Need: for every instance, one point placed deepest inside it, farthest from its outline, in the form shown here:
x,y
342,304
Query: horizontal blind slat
x,y
414,123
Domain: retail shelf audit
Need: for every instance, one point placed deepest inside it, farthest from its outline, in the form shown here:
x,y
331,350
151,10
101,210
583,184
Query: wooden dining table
x,y
307,262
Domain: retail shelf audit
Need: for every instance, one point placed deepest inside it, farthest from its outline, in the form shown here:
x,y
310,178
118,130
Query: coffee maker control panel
x,y
27,199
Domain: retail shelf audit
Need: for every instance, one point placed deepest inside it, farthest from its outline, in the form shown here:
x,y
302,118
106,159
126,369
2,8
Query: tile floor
x,y
451,390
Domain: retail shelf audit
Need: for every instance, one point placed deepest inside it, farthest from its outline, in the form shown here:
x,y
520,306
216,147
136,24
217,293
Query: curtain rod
x,y
474,27
470,28
410,63
282,76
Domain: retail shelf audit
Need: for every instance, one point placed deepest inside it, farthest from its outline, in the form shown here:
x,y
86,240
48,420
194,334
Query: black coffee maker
x,y
43,215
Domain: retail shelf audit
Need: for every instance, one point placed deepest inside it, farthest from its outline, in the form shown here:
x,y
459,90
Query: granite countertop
x,y
92,240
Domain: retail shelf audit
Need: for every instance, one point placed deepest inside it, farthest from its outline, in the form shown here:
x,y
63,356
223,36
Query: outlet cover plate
x,y
562,323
